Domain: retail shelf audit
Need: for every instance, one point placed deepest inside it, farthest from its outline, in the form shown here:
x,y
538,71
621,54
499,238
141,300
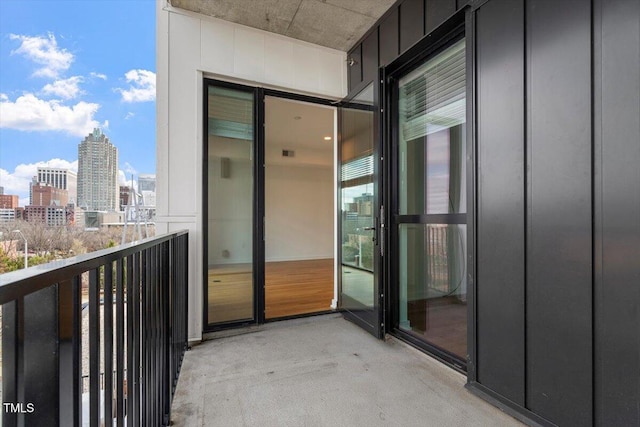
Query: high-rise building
x,y
146,183
58,178
97,173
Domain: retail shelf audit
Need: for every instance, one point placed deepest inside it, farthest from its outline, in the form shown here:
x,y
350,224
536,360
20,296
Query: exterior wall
x,y
557,107
558,192
190,47
8,201
45,195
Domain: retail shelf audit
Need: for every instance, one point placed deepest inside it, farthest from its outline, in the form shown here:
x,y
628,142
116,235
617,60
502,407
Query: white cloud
x,y
125,179
29,113
142,86
45,52
66,88
98,75
17,182
129,115
130,170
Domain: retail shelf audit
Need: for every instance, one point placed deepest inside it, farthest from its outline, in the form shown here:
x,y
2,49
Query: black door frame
x,y
258,203
458,27
373,322
257,206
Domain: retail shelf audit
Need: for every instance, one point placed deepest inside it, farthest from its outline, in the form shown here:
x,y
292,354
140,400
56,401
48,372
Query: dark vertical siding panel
x,y
355,69
617,292
370,57
437,11
559,252
411,23
389,38
500,265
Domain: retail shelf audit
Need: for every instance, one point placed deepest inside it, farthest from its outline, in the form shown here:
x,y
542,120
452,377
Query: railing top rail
x,y
17,284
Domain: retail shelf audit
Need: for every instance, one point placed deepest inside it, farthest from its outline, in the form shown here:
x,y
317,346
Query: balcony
x,y
321,371
105,333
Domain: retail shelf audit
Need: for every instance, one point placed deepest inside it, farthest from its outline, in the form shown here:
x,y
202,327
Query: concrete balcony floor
x,y
322,371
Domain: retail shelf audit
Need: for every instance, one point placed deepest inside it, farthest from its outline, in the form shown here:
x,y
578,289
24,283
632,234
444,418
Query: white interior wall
x,y
298,212
189,47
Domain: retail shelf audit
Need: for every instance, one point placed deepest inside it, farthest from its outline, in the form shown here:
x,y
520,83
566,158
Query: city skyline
x,y
63,75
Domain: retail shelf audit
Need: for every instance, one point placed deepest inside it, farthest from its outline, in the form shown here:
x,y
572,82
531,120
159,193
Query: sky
x,y
67,67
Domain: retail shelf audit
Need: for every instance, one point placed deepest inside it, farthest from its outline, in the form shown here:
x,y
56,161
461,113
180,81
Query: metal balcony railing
x,y
117,316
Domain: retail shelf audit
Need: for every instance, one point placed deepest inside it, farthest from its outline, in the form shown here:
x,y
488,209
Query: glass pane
x,y
357,191
230,208
431,134
433,285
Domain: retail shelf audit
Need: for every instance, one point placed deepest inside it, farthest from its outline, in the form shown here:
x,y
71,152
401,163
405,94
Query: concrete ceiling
x,y
337,24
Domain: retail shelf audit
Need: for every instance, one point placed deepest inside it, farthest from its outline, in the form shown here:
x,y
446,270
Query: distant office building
x,y
124,196
19,213
1,190
8,201
97,173
146,183
47,195
63,179
7,215
51,215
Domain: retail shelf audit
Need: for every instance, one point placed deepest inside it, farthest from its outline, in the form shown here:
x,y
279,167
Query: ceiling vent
x,y
288,153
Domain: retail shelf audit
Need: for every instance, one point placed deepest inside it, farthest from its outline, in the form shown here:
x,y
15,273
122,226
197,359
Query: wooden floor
x,y
298,287
230,293
442,322
291,288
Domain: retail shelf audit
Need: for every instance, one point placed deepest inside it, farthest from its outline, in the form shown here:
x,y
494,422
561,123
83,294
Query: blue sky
x,y
65,67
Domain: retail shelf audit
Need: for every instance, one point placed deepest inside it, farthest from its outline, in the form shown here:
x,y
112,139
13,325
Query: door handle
x,y
369,228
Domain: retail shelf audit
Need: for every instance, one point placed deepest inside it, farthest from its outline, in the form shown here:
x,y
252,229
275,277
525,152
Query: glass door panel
x,y
230,194
430,221
359,284
299,199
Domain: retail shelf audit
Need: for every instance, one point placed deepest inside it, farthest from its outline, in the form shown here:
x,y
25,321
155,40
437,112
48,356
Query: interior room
x,y
299,207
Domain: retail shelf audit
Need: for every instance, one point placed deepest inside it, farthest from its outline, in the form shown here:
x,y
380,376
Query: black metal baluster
x,y
108,343
68,347
120,367
94,347
137,340
12,363
130,404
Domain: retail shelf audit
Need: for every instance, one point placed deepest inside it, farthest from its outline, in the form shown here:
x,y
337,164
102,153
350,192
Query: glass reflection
x,y
433,285
230,213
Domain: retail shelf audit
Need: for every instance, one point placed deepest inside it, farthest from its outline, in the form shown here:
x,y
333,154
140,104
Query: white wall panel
x,y
217,47
306,68
278,62
248,55
184,134
332,64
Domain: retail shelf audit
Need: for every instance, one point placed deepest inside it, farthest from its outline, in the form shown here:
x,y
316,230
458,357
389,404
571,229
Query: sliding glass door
x,y
430,204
